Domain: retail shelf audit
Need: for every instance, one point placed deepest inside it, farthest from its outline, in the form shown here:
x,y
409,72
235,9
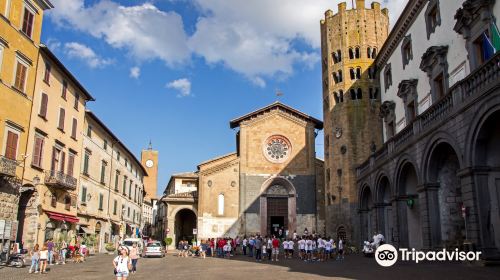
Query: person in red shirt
x,y
276,248
212,247
220,246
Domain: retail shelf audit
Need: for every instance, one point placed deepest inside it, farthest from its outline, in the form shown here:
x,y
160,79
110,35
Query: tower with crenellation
x,y
350,40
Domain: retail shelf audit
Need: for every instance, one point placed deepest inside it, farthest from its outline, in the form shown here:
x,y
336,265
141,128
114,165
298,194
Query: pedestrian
x,y
269,248
258,249
44,255
122,264
302,248
134,256
291,245
294,235
340,247
50,248
203,248
285,248
328,248
64,250
276,248
35,259
264,248
245,243
306,232
212,247
251,244
308,256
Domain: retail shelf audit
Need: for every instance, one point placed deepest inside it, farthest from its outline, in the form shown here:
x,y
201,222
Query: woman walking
x,y
122,264
44,256
134,256
35,259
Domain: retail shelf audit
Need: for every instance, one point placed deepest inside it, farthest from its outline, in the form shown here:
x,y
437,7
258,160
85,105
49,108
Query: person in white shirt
x,y
308,248
321,249
302,248
245,243
122,264
290,248
285,248
314,249
328,249
340,256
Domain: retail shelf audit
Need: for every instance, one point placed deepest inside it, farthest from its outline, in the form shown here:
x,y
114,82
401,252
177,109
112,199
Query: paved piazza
x,y
172,267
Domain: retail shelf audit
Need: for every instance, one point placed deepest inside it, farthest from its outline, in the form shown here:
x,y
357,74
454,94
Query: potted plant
x,y
110,248
168,242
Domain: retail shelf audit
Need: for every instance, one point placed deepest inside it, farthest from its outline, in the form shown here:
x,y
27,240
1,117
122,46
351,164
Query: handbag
x,y
114,271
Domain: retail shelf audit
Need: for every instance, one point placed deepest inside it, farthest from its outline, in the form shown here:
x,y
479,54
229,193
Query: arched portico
x,y
278,207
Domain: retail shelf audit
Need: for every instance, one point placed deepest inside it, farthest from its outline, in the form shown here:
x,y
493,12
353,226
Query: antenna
x,y
150,147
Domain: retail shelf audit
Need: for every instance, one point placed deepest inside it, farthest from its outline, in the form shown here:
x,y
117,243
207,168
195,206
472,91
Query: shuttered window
x,y
77,99
64,90
71,164
86,160
46,76
101,200
43,106
11,147
83,198
20,79
115,205
63,158
28,22
38,151
62,114
73,128
103,172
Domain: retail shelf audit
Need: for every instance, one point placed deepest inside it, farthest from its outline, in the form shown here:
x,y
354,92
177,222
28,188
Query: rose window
x,y
277,148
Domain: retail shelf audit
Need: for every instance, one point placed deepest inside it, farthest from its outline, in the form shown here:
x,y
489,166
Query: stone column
x,y
263,214
292,213
430,216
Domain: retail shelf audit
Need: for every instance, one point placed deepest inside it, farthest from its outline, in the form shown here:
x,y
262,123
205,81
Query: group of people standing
x,y
51,253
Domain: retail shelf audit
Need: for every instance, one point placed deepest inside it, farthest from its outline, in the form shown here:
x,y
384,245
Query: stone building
x,y
47,208
434,182
273,181
20,29
350,41
111,190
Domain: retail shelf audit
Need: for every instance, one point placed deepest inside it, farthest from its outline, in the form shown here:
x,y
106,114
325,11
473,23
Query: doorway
x,y
277,210
277,223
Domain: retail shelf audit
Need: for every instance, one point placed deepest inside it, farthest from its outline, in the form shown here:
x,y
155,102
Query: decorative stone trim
x,y
432,7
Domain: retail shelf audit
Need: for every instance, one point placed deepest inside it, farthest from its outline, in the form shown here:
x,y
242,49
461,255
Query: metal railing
x,y
7,167
59,179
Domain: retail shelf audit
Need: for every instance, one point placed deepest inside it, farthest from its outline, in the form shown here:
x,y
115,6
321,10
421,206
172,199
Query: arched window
x,y
341,96
375,93
352,74
340,76
359,94
370,93
339,55
353,94
358,73
371,73
374,52
335,78
220,204
336,97
357,52
351,54
369,52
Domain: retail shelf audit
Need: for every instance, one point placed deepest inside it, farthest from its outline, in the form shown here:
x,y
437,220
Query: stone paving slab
x,y
240,267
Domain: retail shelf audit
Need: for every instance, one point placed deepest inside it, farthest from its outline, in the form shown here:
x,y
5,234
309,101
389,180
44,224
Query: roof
x,y
277,105
45,50
45,4
216,158
99,122
193,175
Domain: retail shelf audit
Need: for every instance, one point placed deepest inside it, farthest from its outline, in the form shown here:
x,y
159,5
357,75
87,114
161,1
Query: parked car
x,y
154,249
129,242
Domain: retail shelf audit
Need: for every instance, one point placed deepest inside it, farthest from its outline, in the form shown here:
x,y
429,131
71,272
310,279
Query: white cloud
x,y
135,72
86,54
143,30
259,39
53,44
182,85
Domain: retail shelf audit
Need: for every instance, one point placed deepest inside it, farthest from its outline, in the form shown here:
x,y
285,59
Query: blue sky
x,y
176,72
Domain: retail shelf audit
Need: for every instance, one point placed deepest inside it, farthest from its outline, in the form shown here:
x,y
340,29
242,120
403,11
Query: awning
x,y
86,230
62,217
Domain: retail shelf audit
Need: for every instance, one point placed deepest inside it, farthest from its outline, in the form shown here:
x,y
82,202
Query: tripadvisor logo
x,y
387,255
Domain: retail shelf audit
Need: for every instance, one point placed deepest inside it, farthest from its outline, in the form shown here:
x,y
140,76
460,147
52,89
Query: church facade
x,y
272,181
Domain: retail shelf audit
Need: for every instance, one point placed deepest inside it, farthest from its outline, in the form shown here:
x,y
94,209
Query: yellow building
x,y
47,207
20,28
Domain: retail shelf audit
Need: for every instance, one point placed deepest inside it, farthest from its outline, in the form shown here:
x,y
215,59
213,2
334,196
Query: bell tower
x,y
149,159
350,41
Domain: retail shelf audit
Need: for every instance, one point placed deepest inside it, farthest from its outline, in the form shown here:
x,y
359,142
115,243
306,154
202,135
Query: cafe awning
x,y
62,217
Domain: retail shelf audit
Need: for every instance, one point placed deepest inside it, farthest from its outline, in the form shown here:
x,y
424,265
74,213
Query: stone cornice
x,y
471,10
433,55
219,167
407,17
407,87
271,113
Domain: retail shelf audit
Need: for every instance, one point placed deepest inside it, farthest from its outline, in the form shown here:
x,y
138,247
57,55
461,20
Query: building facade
x,y
271,183
21,26
434,183
111,191
47,209
350,41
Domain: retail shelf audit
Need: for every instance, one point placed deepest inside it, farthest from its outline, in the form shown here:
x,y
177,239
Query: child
x,y
44,256
264,252
35,259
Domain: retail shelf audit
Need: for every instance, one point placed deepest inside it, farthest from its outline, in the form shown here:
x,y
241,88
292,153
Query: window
x,y
89,131
357,53
352,74
371,73
341,96
71,163
28,19
43,106
390,129
67,202
220,204
359,94
21,75
7,9
439,86
115,205
411,112
336,97
74,128
387,76
58,157
135,194
432,17
387,109
118,156
11,145
124,185
86,159
407,91
130,189
117,179
77,100
339,55
105,145
435,64
335,77
369,52
62,115
133,216
38,151
128,212
353,94
46,76
103,172
374,52
83,197
126,163
373,93
351,53
101,200
53,200
64,90
358,73
340,76
406,50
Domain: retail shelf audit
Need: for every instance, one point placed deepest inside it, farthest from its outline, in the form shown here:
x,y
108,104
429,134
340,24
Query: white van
x,y
129,242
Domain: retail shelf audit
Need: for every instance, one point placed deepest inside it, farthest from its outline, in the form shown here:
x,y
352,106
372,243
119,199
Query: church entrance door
x,y
277,213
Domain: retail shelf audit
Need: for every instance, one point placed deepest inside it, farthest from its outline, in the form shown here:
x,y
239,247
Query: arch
x,y
365,198
374,52
340,76
359,94
278,180
369,52
185,220
352,74
403,159
351,53
357,52
358,73
366,212
278,196
341,95
383,190
435,140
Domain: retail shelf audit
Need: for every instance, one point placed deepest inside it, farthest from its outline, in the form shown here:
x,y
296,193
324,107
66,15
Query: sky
x,y
175,72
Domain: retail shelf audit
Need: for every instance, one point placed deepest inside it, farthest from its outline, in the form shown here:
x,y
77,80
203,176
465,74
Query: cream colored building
x,y
111,188
48,203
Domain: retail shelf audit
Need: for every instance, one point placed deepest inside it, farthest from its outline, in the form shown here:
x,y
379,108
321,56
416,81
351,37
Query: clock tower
x,y
149,159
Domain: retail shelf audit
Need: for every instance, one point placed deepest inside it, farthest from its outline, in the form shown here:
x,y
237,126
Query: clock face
x,y
149,163
277,148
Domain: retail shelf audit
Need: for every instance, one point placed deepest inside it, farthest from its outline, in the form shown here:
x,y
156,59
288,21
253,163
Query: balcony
x,y
7,167
459,97
60,180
